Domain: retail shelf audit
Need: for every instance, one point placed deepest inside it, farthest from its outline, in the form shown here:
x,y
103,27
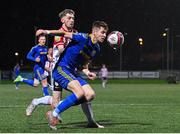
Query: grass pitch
x,y
121,108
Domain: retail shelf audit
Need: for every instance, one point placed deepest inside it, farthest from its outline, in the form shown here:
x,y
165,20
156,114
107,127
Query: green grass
x,y
131,81
121,108
114,81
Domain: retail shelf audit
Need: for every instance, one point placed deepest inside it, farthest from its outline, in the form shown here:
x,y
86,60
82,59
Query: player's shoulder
x,y
84,35
75,31
34,47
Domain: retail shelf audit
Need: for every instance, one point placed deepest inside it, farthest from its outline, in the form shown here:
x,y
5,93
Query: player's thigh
x,y
67,80
86,87
36,82
44,82
39,73
76,88
89,92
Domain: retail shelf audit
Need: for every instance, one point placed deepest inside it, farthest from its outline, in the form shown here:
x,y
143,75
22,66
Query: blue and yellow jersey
x,y
38,51
17,70
79,51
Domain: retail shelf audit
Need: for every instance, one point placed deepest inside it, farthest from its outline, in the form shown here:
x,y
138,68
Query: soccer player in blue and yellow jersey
x,y
38,54
45,100
79,52
16,74
67,17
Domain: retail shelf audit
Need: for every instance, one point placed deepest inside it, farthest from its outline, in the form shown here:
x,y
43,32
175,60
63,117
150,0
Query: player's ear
x,y
62,20
94,30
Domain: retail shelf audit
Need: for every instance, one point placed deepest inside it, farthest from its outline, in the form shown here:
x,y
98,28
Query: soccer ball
x,y
115,39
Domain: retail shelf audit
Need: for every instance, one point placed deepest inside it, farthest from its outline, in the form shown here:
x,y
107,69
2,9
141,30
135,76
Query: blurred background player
x,y
60,43
103,75
79,53
38,54
16,74
46,100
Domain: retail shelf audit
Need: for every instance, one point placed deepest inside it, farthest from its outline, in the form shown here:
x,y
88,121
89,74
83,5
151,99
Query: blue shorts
x,y
39,73
16,74
64,75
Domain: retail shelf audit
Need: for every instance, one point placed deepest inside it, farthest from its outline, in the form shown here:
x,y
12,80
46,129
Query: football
x,y
115,39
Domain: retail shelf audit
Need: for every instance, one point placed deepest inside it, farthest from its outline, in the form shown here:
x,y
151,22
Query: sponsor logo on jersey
x,y
57,38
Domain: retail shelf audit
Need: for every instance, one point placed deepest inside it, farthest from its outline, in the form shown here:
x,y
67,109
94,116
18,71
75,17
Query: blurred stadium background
x,y
156,23
137,97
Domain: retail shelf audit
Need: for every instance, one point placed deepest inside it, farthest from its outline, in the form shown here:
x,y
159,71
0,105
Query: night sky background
x,y
137,18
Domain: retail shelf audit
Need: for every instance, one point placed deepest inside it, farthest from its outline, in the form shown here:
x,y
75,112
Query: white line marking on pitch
x,y
121,104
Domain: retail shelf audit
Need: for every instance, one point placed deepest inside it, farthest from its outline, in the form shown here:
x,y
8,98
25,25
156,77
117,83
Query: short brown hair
x,y
41,35
65,11
38,37
99,24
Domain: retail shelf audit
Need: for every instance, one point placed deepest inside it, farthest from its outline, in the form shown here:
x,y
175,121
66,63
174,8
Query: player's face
x,y
42,40
100,34
50,51
68,20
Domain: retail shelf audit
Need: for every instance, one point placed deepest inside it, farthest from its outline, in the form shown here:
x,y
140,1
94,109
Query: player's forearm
x,y
53,32
86,65
86,71
30,57
59,33
85,68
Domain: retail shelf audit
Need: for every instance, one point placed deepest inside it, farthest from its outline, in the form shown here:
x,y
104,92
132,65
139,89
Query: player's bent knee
x,y
54,104
80,93
36,83
76,88
44,83
90,96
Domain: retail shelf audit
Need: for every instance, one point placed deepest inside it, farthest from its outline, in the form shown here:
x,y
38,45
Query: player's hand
x,y
48,69
50,58
40,31
91,75
37,59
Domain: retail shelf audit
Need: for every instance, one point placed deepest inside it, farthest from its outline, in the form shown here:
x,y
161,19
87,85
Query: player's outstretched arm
x,y
54,33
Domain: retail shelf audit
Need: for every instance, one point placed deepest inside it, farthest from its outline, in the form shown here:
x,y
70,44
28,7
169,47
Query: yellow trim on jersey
x,y
60,71
90,35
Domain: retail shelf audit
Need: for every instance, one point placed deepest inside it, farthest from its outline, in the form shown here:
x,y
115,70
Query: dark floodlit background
x,y
146,19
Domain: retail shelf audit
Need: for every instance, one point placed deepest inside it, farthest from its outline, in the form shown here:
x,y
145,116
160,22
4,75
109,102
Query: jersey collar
x,y
90,35
64,29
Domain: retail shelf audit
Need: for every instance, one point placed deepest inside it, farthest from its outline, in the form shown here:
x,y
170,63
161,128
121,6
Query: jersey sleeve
x,y
79,37
30,55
